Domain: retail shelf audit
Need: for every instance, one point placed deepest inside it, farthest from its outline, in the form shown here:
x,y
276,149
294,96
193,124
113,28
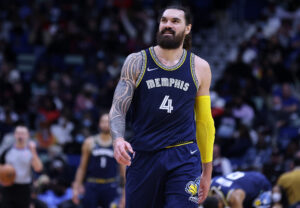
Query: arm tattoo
x,y
124,93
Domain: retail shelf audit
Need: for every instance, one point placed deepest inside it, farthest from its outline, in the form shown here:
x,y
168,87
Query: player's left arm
x,y
205,130
123,180
122,169
237,198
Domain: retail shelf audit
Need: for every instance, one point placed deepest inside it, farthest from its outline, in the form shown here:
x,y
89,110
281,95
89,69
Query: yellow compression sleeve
x,y
205,129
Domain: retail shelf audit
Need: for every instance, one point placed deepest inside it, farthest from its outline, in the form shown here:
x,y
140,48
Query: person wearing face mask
x,y
276,197
98,169
23,157
289,183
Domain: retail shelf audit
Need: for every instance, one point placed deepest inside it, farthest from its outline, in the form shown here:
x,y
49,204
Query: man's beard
x,y
169,42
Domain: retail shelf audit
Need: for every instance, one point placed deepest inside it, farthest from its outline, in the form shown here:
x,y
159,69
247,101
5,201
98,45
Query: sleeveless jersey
x,y
162,109
102,163
253,183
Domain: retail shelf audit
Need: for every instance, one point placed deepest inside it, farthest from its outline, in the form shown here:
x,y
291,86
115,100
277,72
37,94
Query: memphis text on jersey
x,y
167,82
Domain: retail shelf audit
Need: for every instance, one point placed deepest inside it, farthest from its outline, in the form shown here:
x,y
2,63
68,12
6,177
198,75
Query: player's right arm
x,y
80,173
121,102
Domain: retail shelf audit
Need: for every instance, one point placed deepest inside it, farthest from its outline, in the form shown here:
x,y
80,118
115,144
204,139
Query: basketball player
x,y
166,86
238,190
23,157
99,168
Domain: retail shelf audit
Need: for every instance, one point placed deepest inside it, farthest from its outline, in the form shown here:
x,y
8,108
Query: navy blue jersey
x,y
102,163
162,109
253,183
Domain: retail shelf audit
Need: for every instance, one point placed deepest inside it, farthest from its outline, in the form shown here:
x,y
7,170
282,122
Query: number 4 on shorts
x,y
166,104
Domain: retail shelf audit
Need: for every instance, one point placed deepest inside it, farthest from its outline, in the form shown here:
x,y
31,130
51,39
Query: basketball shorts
x,y
100,194
168,178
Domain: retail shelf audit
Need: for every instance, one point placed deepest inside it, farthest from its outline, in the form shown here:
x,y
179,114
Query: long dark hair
x,y
187,43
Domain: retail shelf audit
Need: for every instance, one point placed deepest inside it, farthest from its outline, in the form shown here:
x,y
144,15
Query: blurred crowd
x,y
60,62
256,101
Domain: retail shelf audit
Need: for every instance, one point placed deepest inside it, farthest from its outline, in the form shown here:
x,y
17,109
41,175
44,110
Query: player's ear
x,y
188,29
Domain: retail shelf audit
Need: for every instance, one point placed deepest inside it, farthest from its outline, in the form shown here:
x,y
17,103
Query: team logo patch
x,y
264,200
192,189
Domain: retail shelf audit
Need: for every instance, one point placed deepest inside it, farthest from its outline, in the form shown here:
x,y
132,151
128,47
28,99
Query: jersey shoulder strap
x,y
2,156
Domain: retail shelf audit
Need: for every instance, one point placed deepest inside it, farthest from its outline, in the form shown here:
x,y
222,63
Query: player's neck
x,y
105,137
20,145
168,57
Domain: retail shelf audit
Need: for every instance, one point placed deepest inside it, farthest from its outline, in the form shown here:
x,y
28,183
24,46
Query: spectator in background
x,y
114,69
228,124
48,111
22,156
284,104
275,167
289,182
278,201
217,105
39,83
290,104
58,194
62,130
286,114
241,143
84,101
241,110
221,165
8,118
295,45
56,164
260,153
44,136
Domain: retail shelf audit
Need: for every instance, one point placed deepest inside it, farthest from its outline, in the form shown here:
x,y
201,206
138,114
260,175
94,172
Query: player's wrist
x,y
75,186
118,139
207,169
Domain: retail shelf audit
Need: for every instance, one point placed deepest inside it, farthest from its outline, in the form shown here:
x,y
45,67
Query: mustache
x,y
168,30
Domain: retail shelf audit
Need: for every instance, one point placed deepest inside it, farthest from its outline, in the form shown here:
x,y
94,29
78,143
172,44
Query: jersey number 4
x,y
166,104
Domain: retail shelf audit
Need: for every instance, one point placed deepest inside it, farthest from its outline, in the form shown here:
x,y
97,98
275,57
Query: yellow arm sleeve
x,y
205,129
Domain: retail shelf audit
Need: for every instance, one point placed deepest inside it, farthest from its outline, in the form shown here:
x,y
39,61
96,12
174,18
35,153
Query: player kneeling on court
x,y
239,189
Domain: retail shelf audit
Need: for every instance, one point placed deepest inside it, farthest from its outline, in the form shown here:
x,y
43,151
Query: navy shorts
x,y
164,179
100,194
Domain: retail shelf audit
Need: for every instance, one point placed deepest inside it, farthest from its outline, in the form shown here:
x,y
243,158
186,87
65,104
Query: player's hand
x,y
32,146
75,197
203,188
76,192
121,149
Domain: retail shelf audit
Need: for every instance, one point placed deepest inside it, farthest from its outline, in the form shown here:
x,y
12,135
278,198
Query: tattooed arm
x,y
121,102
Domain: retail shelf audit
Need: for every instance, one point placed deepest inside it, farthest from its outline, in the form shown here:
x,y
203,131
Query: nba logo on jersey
x,y
192,189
